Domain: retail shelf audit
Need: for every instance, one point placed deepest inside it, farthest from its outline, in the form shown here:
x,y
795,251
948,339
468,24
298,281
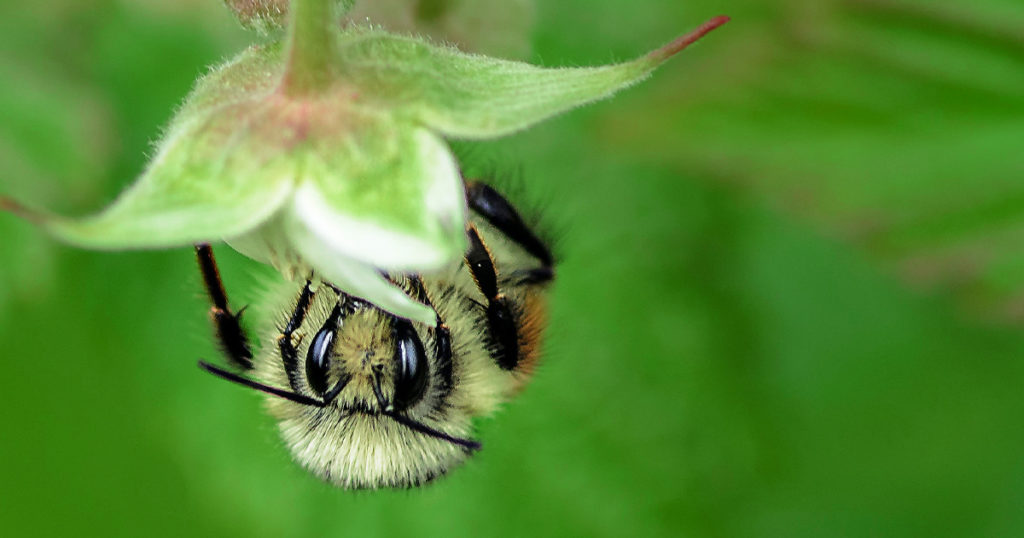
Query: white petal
x,y
415,224
363,240
271,245
353,276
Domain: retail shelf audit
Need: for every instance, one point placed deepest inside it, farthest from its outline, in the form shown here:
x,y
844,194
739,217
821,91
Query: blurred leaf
x,y
500,29
56,142
893,124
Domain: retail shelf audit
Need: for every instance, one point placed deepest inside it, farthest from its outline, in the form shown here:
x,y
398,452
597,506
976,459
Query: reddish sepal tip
x,y
11,206
689,38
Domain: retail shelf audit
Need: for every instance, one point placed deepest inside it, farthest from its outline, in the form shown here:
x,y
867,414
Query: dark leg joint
x,y
504,334
501,320
290,355
442,336
230,335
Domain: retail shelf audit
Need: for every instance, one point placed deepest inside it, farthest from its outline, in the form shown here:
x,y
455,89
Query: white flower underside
x,y
309,237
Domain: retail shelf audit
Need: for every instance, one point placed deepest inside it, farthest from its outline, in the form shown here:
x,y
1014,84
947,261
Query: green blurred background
x,y
789,302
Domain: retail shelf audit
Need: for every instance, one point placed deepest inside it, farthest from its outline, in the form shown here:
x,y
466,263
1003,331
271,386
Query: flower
x,y
324,152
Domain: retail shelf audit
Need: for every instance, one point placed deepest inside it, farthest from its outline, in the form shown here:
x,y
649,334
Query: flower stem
x,y
310,46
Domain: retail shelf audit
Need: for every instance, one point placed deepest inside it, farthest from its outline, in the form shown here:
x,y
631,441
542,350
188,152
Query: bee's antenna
x,y
423,428
246,382
385,407
416,425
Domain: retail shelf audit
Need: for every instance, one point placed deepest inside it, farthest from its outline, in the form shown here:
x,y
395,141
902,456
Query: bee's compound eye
x,y
411,368
318,359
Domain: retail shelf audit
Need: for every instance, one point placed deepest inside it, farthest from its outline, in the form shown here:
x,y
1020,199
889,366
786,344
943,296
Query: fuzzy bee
x,y
365,399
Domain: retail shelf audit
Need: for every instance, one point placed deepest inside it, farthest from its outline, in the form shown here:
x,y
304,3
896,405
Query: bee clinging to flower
x,y
324,153
366,399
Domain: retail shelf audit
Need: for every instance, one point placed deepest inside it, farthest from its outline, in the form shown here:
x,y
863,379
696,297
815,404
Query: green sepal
x,y
205,182
208,179
470,96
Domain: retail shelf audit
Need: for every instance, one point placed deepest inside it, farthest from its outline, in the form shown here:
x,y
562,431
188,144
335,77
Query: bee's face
x,y
379,367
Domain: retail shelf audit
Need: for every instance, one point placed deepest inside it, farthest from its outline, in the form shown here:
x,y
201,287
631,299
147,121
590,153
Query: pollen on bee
x,y
296,337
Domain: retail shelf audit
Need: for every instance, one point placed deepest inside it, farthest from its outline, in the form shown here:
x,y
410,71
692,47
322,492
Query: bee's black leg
x,y
230,334
493,207
442,338
501,320
289,355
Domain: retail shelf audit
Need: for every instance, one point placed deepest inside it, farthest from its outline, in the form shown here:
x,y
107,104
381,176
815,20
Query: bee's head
x,y
379,391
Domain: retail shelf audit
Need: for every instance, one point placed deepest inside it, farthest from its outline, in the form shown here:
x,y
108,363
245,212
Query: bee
x,y
367,400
